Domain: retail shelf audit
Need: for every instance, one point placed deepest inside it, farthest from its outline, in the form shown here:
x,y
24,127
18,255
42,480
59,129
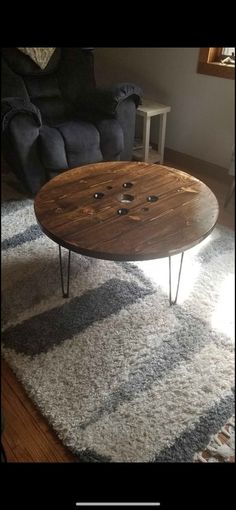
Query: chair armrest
x,y
107,100
12,106
21,125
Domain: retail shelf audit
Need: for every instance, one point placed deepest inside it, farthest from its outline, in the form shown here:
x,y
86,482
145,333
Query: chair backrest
x,y
55,89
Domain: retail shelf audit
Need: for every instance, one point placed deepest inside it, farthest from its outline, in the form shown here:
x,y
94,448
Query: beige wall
x,y
201,122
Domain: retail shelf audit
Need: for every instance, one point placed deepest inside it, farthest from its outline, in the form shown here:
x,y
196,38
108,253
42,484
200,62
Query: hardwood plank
x,y
39,447
27,436
11,456
219,185
196,166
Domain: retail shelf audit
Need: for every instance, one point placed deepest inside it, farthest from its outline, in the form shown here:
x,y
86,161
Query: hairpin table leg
x,y
173,302
65,294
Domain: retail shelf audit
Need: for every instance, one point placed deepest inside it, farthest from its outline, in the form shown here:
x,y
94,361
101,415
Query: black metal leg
x,y
65,294
173,302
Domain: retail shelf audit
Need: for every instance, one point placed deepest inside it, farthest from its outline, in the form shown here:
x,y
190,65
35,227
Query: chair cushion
x,y
78,142
69,145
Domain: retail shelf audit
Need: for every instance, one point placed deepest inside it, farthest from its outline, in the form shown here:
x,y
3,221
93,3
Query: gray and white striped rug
x,y
120,375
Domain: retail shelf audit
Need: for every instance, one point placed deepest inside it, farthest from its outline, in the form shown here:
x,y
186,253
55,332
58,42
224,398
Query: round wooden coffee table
x,y
126,211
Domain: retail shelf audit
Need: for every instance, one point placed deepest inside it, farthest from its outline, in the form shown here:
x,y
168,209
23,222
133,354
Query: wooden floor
x,y
27,436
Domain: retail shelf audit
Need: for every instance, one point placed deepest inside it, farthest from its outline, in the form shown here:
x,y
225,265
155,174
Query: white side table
x,y
147,110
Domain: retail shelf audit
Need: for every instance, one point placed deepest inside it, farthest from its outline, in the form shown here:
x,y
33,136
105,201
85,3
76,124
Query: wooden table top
x,y
126,210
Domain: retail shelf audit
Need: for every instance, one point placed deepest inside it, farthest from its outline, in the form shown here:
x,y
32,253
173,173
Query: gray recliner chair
x,y
55,119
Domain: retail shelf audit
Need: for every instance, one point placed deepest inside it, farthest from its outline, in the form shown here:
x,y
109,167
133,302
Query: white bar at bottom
x,y
118,504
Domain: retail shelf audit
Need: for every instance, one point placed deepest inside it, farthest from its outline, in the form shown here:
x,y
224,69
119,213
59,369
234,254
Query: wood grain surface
x,y
166,212
27,436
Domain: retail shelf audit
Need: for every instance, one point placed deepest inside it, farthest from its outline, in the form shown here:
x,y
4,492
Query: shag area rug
x,y
119,374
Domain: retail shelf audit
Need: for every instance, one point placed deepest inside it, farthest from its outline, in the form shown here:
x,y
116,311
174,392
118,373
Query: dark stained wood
x,y
27,437
184,214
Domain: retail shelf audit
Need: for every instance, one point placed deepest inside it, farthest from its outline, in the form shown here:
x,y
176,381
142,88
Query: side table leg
x,y
162,136
173,302
146,137
65,294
